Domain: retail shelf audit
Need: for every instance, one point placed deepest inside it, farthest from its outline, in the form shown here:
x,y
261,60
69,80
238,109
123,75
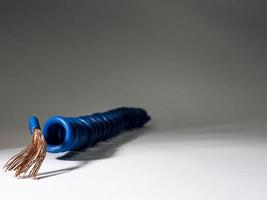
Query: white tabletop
x,y
219,162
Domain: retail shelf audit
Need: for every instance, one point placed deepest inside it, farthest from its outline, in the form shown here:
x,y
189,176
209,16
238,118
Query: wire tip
x,y
29,159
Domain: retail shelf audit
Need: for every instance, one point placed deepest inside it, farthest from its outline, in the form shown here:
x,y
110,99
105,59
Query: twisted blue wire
x,y
75,133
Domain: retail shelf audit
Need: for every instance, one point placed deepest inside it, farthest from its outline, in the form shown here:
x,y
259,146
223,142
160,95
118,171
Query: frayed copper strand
x,y
29,159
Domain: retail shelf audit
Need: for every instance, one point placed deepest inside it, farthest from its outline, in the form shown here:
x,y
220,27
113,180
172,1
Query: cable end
x,y
29,159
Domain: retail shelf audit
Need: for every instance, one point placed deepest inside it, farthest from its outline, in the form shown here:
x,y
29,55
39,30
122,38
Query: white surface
x,y
223,162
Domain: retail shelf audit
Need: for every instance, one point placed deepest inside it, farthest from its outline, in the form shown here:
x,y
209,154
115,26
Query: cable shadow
x,y
53,173
101,150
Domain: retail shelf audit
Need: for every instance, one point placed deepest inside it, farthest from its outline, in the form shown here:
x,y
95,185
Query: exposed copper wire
x,y
29,159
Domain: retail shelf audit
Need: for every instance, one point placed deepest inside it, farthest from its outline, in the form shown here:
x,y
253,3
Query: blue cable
x,y
75,133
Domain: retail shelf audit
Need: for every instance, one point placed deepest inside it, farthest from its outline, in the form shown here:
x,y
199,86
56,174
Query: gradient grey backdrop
x,y
189,63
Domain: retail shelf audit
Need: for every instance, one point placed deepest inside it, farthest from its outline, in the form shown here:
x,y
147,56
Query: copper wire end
x,y
29,159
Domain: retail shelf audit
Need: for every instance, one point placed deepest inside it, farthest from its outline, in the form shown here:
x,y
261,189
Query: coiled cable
x,y
62,134
75,133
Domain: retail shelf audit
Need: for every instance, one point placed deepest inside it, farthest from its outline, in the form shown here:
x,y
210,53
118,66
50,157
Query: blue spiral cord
x,y
75,133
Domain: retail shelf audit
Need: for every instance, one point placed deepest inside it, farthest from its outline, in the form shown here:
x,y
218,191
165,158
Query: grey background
x,y
189,63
